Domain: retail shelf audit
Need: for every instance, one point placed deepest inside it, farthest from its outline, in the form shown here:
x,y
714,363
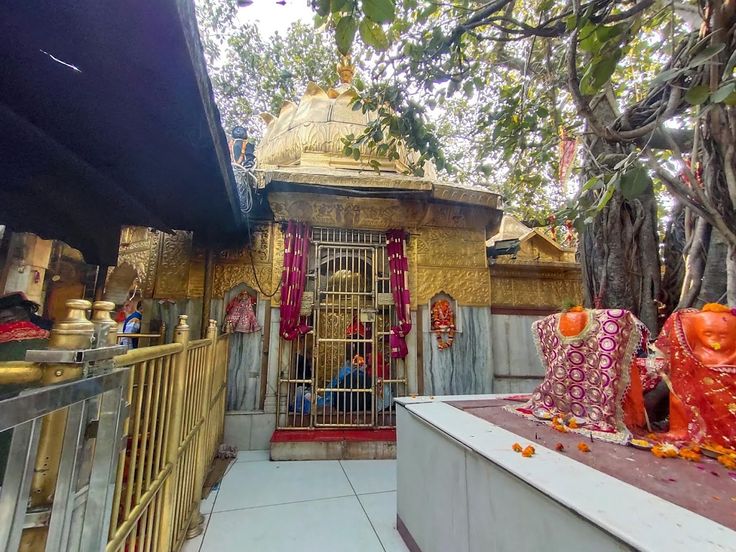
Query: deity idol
x,y
700,349
590,372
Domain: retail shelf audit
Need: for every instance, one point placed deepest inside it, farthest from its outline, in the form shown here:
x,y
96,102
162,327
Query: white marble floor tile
x,y
381,510
194,545
254,484
330,525
253,456
207,504
371,476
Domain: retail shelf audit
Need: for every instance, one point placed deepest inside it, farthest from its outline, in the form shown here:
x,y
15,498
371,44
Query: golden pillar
x,y
168,509
196,523
74,332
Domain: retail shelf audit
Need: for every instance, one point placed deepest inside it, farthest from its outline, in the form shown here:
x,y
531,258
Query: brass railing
x,y
176,398
174,429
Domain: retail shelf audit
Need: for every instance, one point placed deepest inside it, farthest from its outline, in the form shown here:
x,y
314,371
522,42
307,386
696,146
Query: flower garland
x,y
443,321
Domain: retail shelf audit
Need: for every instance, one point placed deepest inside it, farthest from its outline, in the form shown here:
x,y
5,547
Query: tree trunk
x,y
620,258
713,287
619,250
674,262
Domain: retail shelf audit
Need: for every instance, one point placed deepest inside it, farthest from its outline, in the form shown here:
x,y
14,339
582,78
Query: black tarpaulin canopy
x,y
106,119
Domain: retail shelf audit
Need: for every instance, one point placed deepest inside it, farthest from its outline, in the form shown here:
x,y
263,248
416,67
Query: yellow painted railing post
x,y
174,438
196,523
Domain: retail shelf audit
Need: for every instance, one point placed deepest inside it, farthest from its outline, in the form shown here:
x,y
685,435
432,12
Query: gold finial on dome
x,y
346,70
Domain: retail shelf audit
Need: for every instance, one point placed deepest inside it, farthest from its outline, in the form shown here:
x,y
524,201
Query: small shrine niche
x,y
240,310
444,316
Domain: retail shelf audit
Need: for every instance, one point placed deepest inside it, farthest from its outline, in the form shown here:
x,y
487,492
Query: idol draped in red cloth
x,y
700,348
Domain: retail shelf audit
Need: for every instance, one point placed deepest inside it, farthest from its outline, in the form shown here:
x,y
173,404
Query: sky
x,y
272,17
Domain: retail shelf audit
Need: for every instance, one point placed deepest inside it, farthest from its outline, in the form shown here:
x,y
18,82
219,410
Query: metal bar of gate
x,y
24,414
17,483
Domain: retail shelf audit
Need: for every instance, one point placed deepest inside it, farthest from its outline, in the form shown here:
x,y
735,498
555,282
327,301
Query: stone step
x,y
333,444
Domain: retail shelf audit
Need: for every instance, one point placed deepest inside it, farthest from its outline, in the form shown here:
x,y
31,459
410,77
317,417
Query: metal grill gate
x,y
341,374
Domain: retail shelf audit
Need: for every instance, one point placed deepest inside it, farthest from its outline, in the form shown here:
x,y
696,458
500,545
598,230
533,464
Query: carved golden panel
x,y
195,283
277,265
375,213
451,247
535,291
469,286
172,278
260,247
141,252
227,276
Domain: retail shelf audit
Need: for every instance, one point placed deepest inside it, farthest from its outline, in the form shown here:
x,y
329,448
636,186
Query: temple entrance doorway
x,y
341,373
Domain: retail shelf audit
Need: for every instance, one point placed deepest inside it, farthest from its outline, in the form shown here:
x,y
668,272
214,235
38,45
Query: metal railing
x,y
165,442
79,515
177,410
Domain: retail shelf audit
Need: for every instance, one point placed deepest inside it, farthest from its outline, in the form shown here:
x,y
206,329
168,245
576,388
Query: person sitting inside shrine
x,y
699,348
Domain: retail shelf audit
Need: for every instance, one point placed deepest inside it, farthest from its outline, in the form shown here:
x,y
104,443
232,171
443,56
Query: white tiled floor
x,y
326,506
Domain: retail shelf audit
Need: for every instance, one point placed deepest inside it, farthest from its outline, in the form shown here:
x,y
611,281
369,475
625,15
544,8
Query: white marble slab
x,y
466,367
631,516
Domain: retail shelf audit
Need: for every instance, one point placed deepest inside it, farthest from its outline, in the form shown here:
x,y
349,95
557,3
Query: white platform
x,y
461,488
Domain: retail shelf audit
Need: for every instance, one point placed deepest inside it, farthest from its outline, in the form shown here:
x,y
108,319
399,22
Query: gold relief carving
x,y
227,276
372,214
451,247
502,291
527,291
469,286
260,247
535,292
195,283
172,276
141,252
277,265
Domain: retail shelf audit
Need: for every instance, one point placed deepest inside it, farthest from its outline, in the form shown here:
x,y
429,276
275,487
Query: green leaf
x,y
373,35
667,75
731,100
723,92
571,22
589,40
323,7
380,11
604,33
635,182
356,153
590,185
706,54
345,34
697,95
729,66
603,70
338,5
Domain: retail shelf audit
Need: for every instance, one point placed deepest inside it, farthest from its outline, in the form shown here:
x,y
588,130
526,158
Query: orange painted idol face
x,y
712,336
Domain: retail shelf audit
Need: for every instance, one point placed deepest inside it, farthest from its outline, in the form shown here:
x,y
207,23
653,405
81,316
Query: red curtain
x,y
399,267
293,280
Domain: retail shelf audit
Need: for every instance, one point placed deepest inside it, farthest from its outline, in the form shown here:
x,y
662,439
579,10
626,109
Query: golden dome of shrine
x,y
309,134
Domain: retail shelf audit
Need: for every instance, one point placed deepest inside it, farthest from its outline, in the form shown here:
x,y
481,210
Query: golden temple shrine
x,y
467,303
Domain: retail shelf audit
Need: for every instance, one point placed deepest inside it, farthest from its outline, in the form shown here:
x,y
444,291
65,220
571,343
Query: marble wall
x,y
466,367
516,364
244,366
